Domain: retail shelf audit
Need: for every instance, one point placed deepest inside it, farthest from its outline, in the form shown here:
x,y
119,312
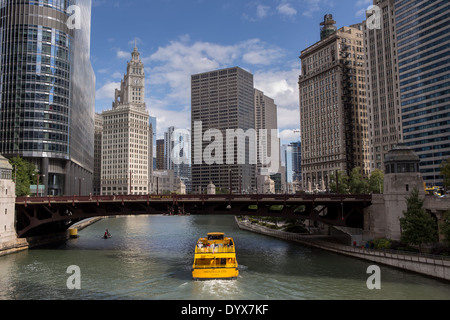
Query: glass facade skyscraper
x,y
293,159
423,42
47,90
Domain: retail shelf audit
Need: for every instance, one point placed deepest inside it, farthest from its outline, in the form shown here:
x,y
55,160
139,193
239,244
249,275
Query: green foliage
x,y
357,183
382,243
376,181
445,227
23,175
445,172
341,185
222,191
400,246
276,208
300,209
418,227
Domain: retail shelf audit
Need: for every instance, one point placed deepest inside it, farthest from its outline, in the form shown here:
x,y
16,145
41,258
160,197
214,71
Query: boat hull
x,y
215,274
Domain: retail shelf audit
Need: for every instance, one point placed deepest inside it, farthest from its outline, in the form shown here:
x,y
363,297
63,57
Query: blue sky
x,y
178,38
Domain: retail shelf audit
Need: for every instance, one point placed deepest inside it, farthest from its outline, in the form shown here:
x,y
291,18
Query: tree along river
x,y
150,258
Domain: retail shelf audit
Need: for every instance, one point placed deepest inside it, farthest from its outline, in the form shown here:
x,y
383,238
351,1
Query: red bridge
x,y
45,215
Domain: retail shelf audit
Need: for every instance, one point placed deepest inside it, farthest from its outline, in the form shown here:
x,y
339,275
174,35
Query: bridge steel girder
x,y
37,216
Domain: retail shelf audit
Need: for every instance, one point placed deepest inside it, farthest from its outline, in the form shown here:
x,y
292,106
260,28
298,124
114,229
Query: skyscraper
x,y
127,136
160,154
222,100
98,153
295,150
333,108
179,155
423,41
168,147
383,95
153,123
266,117
47,91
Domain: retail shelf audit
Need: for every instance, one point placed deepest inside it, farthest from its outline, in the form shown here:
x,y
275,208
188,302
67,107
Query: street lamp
x,y
37,182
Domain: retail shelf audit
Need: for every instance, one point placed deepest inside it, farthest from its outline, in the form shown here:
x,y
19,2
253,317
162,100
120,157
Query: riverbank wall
x,y
433,266
21,244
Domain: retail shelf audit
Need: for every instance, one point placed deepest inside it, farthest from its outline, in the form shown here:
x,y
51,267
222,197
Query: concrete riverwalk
x,y
434,266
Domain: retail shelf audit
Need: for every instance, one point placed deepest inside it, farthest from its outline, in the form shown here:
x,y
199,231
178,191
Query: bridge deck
x,y
37,215
197,198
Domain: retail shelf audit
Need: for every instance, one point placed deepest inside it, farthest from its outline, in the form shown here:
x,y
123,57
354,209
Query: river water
x,y
150,258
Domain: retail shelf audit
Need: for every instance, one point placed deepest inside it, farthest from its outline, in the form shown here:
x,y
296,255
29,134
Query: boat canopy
x,y
216,236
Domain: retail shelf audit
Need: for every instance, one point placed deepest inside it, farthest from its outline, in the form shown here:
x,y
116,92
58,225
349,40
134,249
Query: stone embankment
x,y
28,243
434,266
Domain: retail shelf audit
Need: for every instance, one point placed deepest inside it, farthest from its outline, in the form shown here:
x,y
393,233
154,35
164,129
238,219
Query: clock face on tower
x,y
137,81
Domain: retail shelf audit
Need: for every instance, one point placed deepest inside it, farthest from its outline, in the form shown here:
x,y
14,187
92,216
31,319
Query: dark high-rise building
x,y
47,90
223,101
333,107
423,53
160,154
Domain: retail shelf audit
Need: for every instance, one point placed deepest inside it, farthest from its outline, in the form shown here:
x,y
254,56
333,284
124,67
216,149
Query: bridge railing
x,y
196,197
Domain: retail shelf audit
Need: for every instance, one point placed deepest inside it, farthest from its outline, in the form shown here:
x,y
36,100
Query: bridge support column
x,y
375,218
8,236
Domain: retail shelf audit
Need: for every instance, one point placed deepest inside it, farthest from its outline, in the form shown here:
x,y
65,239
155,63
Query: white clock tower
x,y
132,87
126,137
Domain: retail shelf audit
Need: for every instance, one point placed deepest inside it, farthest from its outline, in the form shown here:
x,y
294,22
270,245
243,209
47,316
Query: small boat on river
x,y
107,235
215,258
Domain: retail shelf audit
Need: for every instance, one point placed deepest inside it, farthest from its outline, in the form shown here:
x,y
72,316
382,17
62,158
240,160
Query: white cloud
x,y
169,69
280,85
171,66
313,6
258,54
262,11
117,75
286,9
180,119
107,91
123,54
363,5
288,118
290,135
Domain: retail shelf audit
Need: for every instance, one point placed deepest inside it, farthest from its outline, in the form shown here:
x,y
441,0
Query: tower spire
x,y
135,54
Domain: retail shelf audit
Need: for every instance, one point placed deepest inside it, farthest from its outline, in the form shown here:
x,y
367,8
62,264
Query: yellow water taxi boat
x,y
215,258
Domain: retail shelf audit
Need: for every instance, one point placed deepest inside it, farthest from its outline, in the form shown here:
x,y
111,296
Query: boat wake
x,y
220,289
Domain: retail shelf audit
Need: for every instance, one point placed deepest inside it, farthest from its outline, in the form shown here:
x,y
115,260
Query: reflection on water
x,y
150,257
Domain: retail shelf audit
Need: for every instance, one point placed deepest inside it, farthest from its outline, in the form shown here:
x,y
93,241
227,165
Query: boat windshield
x,y
215,236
